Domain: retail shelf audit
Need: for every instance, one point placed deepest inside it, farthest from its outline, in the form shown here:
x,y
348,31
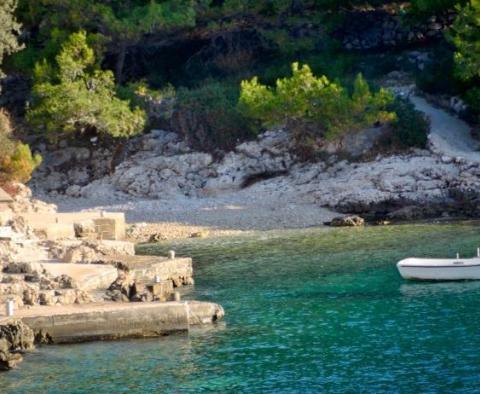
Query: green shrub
x,y
7,145
20,165
9,29
73,95
472,98
158,103
304,99
208,119
434,6
16,160
411,127
465,35
438,77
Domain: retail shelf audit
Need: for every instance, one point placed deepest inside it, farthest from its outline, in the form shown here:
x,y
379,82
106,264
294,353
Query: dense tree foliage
x,y
205,48
303,97
466,37
411,127
112,25
208,119
9,29
434,6
16,160
73,95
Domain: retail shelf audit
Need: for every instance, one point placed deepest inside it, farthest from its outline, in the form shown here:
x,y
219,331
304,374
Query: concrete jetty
x,y
54,226
147,267
105,321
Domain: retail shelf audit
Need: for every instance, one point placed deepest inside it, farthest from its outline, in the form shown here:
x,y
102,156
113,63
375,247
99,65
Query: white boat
x,y
440,269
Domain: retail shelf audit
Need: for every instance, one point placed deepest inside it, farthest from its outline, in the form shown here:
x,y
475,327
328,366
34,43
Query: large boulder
x,y
65,166
15,338
81,254
120,289
266,157
359,144
23,202
160,176
88,251
72,296
347,221
386,184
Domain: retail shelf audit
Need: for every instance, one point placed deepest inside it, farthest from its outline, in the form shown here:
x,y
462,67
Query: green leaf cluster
x,y
411,126
19,165
208,119
465,35
9,29
305,98
434,6
74,95
16,159
111,25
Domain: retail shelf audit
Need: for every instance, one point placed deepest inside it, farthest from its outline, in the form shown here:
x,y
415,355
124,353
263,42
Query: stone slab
x,y
54,231
105,247
110,225
87,276
145,268
89,322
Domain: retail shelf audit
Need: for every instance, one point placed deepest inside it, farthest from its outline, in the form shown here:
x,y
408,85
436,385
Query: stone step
x,y
86,276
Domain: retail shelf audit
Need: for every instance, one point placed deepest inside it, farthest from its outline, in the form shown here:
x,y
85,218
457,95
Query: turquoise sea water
x,y
306,311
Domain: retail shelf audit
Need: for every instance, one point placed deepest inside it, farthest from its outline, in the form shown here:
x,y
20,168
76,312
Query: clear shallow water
x,y
306,311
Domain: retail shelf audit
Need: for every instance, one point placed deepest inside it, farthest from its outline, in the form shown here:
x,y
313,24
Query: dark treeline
x,y
93,67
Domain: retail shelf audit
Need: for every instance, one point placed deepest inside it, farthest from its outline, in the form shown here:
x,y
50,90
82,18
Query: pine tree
x,y
9,29
75,95
466,37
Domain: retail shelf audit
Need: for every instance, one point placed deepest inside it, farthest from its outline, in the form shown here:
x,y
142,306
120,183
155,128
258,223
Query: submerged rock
x,y
157,237
199,234
347,221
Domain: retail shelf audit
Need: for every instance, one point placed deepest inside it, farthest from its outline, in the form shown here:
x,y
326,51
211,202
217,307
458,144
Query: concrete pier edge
x,y
109,321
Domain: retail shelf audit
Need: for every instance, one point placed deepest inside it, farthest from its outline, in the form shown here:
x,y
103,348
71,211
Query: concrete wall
x,y
110,228
53,226
98,322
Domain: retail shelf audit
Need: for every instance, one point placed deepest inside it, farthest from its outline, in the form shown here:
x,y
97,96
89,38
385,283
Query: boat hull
x,y
439,269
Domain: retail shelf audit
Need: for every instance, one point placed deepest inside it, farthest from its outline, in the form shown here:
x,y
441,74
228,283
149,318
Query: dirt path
x,y
449,135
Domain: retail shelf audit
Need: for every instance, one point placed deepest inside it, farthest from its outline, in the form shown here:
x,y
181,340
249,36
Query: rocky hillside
x,y
410,185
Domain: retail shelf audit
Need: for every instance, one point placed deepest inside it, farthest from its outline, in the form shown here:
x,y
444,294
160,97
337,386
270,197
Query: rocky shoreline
x,y
80,280
261,185
168,191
